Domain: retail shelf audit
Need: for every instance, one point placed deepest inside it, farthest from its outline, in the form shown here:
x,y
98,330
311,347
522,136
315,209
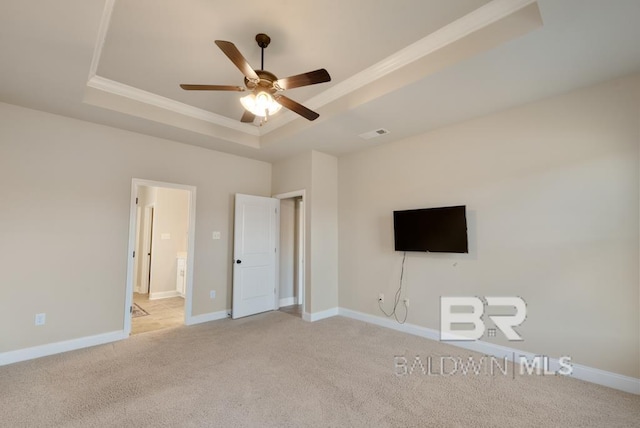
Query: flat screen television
x,y
437,230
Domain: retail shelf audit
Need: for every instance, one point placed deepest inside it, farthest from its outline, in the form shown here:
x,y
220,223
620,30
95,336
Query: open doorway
x,y
292,253
160,272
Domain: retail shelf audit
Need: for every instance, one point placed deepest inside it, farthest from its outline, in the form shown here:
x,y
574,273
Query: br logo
x,y
465,313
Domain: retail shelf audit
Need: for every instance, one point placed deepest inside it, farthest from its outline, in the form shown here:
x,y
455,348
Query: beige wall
x,y
65,188
287,247
324,231
317,174
290,175
551,191
171,220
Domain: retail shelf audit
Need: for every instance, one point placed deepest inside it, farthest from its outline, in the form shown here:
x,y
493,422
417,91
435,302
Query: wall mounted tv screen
x,y
438,230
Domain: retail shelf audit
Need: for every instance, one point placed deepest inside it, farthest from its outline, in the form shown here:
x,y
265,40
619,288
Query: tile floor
x,y
163,313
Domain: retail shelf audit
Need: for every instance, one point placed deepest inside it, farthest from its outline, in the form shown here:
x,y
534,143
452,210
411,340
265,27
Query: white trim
x,y
317,316
288,301
137,245
213,316
300,256
456,30
120,89
59,347
164,295
191,234
105,20
133,230
462,27
589,374
300,194
276,259
147,242
289,195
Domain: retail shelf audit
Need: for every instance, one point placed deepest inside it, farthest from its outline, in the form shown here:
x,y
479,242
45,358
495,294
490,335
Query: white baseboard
x,y
288,301
59,347
589,374
317,316
25,354
213,316
164,295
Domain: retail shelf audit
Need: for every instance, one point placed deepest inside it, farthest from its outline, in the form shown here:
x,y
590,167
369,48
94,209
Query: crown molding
x,y
450,33
120,89
117,88
485,15
105,20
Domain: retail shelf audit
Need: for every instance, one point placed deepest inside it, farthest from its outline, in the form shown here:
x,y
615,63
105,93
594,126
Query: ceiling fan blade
x,y
248,117
212,88
305,79
236,57
296,107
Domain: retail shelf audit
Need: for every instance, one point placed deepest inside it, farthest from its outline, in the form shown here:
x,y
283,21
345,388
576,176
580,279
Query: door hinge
x,y
130,309
136,201
134,254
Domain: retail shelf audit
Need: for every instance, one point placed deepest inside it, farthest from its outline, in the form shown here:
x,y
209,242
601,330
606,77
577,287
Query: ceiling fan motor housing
x,y
264,84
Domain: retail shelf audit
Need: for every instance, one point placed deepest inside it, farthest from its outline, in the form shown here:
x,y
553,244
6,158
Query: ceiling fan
x,y
265,98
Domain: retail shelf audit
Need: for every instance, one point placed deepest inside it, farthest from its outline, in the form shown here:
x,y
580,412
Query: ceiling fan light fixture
x,y
261,104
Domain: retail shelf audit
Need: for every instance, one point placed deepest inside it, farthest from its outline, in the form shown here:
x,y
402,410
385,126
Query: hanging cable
x,y
396,299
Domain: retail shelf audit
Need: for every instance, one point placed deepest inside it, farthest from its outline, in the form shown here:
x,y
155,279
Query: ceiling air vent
x,y
373,134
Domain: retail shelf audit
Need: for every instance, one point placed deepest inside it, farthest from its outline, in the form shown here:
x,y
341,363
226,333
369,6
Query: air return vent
x,y
373,134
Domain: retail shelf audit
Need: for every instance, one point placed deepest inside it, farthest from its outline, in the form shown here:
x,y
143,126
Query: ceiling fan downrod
x,y
263,41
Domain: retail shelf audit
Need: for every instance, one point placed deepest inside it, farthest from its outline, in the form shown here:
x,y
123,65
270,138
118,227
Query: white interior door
x,y
254,255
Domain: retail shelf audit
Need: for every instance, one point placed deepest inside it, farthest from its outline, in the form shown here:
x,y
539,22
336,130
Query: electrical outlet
x,y
41,319
212,294
381,298
406,303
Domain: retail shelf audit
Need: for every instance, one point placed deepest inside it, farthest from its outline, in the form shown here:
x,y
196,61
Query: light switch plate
x,y
41,319
212,294
216,235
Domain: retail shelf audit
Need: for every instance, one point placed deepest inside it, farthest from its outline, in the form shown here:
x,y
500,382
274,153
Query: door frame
x,y
290,195
147,248
128,301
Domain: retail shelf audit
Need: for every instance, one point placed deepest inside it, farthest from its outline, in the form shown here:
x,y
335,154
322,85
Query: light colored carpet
x,y
277,370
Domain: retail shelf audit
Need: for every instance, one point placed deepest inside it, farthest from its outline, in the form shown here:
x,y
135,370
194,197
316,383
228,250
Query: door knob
x,y
238,261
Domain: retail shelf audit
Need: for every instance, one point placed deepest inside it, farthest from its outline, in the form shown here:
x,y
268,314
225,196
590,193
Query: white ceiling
x,y
408,66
